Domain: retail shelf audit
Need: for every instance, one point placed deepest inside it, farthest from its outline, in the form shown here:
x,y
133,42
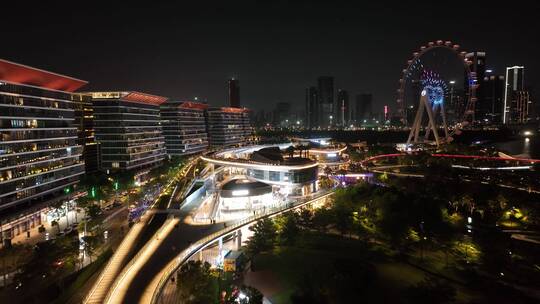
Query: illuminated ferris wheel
x,y
428,86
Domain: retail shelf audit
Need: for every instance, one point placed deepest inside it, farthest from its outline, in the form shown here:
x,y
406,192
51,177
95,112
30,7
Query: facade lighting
x,y
240,192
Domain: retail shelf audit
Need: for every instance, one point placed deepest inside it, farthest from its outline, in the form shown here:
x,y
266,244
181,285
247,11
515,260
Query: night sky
x,y
275,48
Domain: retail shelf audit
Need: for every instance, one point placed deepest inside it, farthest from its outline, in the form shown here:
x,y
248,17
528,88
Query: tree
x,y
248,295
327,170
92,210
343,215
264,234
321,219
306,217
432,291
91,243
55,223
197,283
393,211
288,228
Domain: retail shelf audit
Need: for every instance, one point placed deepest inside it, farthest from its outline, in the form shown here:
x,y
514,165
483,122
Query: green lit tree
x,y
288,228
263,239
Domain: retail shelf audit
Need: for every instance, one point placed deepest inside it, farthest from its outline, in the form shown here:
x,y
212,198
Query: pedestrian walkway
x,y
116,263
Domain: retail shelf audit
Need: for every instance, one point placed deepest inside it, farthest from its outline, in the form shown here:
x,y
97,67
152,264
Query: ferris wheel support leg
x,y
428,130
415,127
431,120
445,125
415,130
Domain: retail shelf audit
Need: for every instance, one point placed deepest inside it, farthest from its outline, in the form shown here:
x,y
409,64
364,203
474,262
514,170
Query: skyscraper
x,y
515,82
478,69
312,108
234,93
493,87
326,101
343,108
363,109
282,114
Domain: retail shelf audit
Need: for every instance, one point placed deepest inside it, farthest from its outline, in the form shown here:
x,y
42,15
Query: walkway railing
x,y
202,243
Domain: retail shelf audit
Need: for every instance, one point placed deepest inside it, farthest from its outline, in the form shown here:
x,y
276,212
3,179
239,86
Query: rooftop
x,y
131,96
21,74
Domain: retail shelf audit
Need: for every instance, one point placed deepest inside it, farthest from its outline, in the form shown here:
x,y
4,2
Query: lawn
x,y
313,260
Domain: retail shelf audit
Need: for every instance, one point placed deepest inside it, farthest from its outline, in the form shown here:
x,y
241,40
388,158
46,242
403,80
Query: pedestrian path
x,y
116,263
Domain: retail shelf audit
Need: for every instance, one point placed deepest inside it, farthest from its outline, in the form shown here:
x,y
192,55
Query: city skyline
x,y
178,52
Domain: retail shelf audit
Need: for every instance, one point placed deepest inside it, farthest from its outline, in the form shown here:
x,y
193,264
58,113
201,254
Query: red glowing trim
x,y
194,105
529,160
233,110
144,98
21,74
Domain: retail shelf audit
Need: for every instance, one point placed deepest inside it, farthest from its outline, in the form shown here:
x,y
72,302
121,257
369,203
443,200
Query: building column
x,y
239,239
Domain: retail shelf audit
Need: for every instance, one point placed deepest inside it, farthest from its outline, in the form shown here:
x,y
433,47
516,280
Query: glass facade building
x,y
127,127
228,126
184,127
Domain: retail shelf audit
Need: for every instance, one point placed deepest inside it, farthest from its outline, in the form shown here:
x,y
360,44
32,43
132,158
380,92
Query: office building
x,y
184,127
493,87
40,155
127,127
282,114
234,93
228,126
312,108
523,106
478,70
515,82
363,109
343,108
326,101
84,121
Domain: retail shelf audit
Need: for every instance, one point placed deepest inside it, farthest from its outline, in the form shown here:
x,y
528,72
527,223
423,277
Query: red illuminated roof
x,y
233,110
194,105
144,98
25,75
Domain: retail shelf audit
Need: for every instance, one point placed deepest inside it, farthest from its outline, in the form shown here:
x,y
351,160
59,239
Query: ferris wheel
x,y
423,88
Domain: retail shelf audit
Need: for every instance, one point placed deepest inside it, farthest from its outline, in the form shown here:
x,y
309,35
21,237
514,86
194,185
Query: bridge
x,y
142,280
